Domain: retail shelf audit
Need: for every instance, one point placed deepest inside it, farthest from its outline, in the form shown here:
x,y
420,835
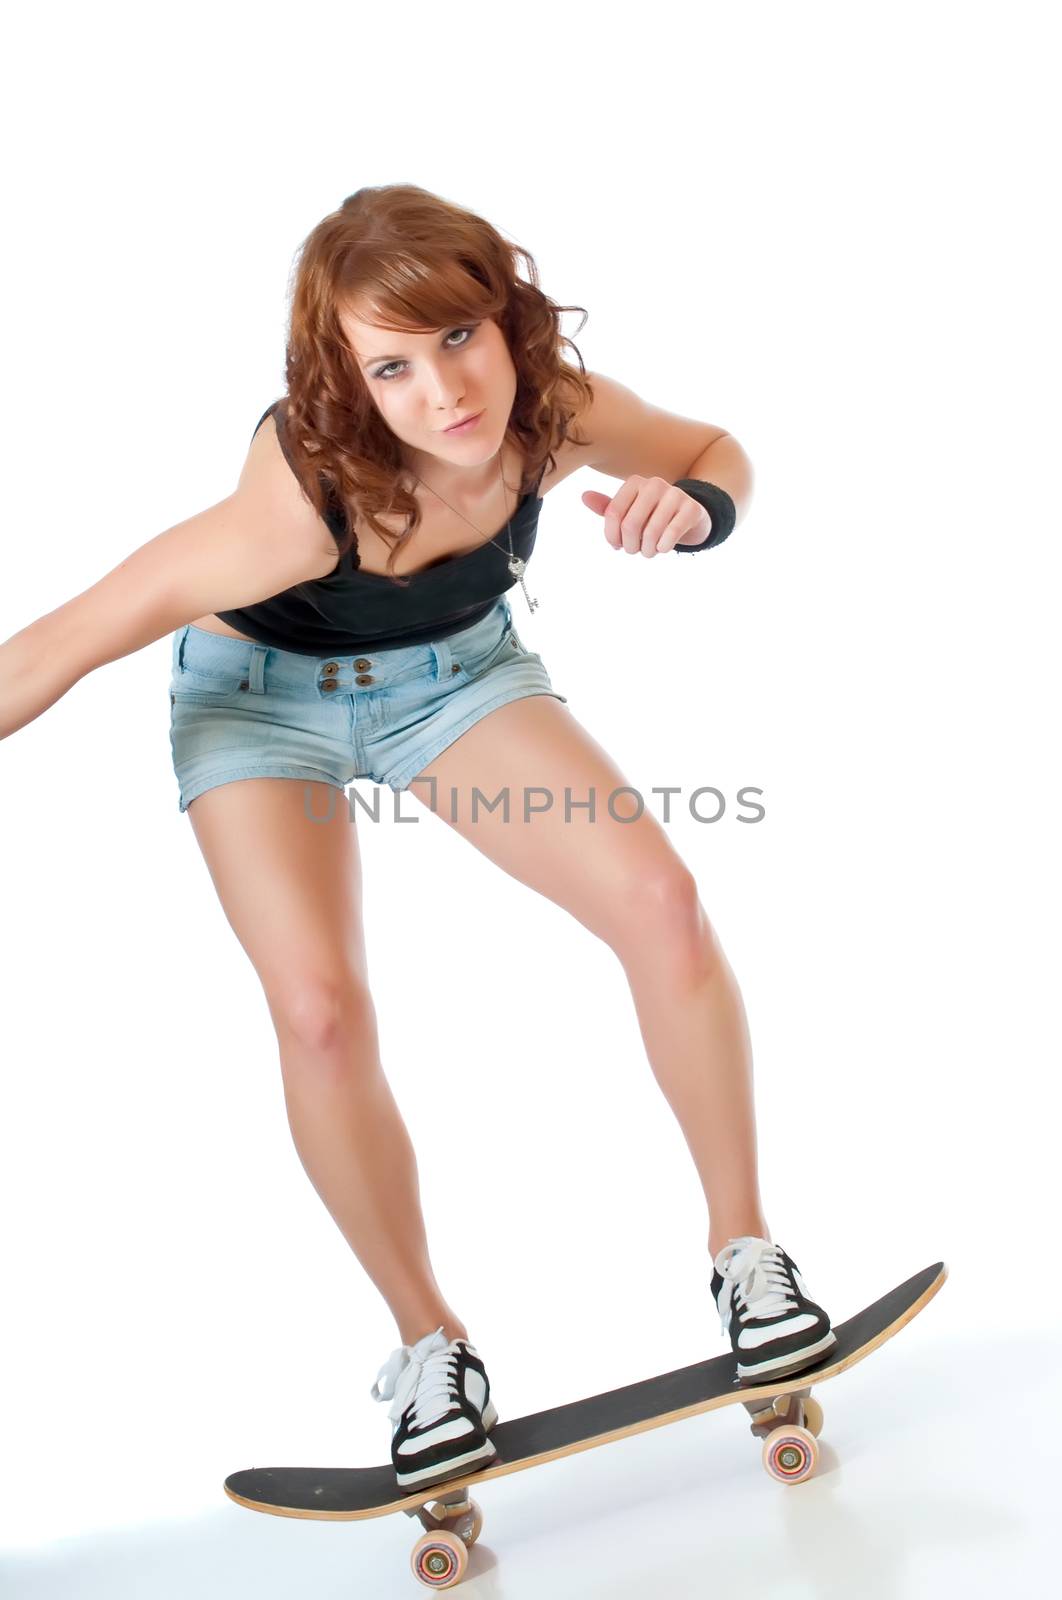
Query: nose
x,y
444,388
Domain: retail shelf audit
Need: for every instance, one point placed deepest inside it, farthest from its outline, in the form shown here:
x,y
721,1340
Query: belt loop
x,y
256,674
179,651
441,651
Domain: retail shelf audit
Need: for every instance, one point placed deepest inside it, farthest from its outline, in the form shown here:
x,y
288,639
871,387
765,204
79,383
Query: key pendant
x,y
516,567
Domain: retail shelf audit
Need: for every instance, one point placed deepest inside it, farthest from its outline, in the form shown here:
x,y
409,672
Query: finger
x,y
677,529
667,539
619,506
665,525
642,500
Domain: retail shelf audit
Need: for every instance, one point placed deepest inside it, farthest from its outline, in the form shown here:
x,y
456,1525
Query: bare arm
x,y
261,539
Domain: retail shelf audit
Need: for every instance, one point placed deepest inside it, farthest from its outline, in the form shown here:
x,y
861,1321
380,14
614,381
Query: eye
x,y
382,372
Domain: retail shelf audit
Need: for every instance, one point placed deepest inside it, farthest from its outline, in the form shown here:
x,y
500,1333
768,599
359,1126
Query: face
x,y
422,382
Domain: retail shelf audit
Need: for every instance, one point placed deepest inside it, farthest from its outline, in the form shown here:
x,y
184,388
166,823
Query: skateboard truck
x,y
783,1408
458,1511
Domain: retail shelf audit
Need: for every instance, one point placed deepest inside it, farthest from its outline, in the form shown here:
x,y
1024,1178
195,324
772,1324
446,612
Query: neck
x,y
462,485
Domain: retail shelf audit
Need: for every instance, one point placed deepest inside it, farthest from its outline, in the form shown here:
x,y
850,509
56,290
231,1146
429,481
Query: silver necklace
x,y
516,564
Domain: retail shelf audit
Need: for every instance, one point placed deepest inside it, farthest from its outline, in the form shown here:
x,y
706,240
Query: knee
x,y
320,1013
664,906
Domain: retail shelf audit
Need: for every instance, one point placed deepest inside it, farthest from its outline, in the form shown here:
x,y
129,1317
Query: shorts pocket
x,y
210,668
477,661
189,685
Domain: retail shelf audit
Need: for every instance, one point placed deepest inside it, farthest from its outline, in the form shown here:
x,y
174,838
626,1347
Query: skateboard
x,y
784,1416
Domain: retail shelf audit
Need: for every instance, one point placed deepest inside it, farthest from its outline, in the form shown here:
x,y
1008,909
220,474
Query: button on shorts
x,y
243,710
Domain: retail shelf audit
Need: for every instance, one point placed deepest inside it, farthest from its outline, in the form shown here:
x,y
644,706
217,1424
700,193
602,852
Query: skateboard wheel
x,y
439,1560
475,1527
790,1454
813,1416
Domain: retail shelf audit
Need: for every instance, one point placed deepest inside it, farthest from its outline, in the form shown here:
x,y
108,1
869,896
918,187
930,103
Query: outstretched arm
x,y
263,538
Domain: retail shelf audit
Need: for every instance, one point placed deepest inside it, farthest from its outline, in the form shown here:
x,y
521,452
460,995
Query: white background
x,y
827,229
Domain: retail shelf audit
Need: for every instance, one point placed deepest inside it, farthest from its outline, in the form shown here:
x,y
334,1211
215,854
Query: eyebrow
x,y
367,361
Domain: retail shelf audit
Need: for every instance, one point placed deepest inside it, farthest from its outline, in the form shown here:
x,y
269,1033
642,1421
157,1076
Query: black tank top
x,y
351,612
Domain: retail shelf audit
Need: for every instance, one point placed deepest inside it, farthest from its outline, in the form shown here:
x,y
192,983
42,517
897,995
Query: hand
x,y
649,515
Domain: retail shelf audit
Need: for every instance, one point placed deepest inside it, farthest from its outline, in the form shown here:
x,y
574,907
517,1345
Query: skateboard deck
x,y
783,1415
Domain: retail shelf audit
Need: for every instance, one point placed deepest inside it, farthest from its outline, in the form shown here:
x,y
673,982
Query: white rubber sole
x,y
768,1370
481,1457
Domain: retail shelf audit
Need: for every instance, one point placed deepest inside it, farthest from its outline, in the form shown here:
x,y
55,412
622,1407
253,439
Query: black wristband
x,y
719,507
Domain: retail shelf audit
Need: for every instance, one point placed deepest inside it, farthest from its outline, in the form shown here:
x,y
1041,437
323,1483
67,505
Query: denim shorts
x,y
243,710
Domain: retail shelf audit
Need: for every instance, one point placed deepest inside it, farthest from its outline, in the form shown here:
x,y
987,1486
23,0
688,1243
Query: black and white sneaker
x,y
442,1411
775,1327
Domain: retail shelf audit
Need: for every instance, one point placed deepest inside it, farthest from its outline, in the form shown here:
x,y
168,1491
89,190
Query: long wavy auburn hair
x,y
411,261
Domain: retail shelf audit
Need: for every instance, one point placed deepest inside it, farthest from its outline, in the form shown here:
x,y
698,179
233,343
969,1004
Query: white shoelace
x,y
763,1282
431,1364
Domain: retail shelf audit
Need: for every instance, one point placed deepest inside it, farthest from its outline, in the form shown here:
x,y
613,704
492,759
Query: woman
x,y
344,614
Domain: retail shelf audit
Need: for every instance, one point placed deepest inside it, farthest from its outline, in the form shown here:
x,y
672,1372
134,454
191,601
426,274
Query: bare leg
x,y
622,879
693,1024
291,890
358,1155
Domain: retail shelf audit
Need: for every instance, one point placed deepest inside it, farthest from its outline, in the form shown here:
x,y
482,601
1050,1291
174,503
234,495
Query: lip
x,y
466,425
